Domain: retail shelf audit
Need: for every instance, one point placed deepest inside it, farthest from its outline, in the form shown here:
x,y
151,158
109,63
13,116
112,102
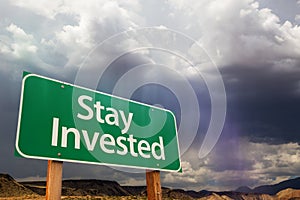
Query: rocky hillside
x,y
82,188
287,194
9,187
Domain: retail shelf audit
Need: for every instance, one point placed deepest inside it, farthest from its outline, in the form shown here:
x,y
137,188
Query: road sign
x,y
64,122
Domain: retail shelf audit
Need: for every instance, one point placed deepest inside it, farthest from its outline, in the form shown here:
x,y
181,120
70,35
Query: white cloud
x,y
297,18
133,182
44,8
92,22
92,26
31,178
273,163
21,51
23,43
21,48
279,159
240,32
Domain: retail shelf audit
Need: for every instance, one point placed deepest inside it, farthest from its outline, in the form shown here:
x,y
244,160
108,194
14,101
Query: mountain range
x,y
10,188
272,189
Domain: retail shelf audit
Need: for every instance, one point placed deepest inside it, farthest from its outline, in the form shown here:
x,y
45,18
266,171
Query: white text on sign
x,y
108,144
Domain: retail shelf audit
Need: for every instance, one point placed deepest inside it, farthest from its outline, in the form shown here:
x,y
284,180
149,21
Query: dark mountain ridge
x,y
272,189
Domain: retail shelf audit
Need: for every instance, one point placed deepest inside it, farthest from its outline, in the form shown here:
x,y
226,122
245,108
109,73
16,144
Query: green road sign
x,y
61,121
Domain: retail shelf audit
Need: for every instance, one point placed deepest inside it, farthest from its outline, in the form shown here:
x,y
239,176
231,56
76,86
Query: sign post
x,y
54,180
153,185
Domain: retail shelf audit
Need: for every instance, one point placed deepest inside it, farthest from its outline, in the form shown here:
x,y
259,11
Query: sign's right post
x,y
153,185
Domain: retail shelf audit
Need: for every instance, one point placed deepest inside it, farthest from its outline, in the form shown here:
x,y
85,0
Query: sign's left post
x,y
54,180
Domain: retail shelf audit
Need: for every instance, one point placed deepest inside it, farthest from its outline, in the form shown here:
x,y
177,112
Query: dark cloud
x,y
230,155
264,101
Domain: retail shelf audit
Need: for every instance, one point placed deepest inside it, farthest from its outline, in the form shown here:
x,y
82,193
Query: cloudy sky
x,y
255,45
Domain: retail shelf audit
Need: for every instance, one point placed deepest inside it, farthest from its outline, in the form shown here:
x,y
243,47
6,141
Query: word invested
x,y
107,142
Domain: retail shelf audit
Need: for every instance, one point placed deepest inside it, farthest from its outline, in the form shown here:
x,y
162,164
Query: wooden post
x,y
54,180
153,185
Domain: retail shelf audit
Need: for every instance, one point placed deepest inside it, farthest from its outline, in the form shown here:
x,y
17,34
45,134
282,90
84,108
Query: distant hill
x,y
272,189
113,190
136,190
244,189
